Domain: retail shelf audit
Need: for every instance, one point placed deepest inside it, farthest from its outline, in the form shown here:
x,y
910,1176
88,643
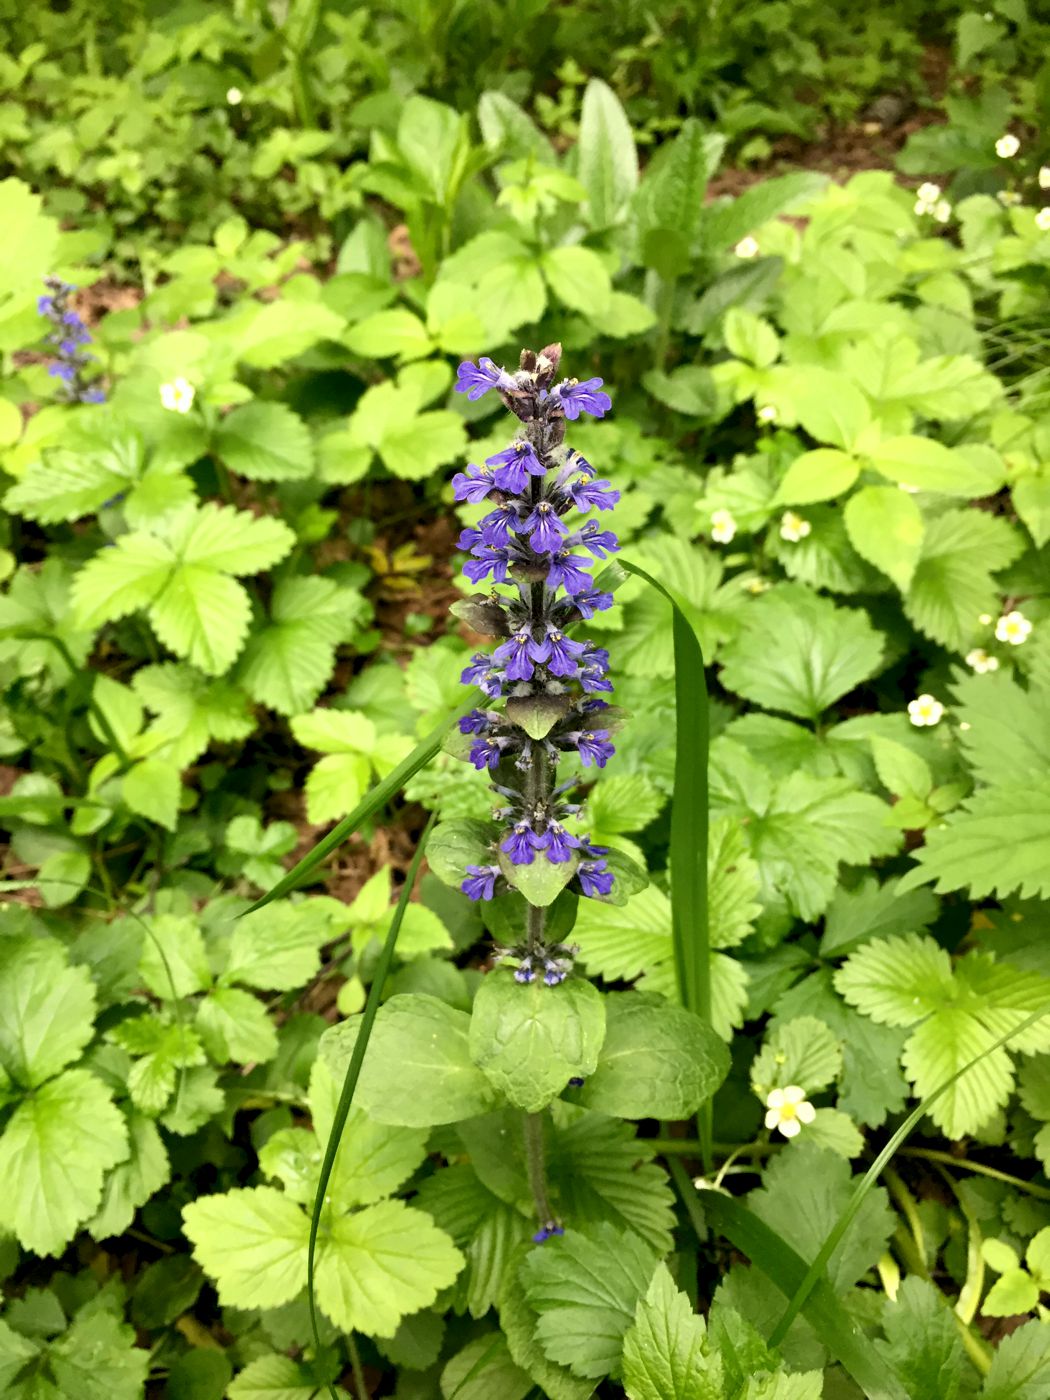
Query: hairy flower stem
x,y
535,1164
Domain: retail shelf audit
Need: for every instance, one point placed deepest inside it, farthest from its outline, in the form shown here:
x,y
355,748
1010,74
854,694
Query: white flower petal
x,y
791,1127
805,1113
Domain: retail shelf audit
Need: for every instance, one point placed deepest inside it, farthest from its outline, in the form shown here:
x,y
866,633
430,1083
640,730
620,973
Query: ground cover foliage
x,y
228,556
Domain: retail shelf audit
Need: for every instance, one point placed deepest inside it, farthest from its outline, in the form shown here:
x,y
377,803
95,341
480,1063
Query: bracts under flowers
x,y
543,688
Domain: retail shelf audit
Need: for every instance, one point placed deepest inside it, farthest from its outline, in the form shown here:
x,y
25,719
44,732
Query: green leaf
x,y
415,449
96,1359
484,1370
264,334
725,223
273,1377
234,1025
885,526
1015,1292
900,770
183,579
953,584
55,1151
922,1344
281,950
417,1070
929,466
1008,739
518,1321
787,1270
750,338
600,1171
817,476
993,843
174,962
798,652
665,1351
802,1195
132,1182
577,277
873,910
265,442
607,162
828,404
457,844
151,788
1020,1366
380,1263
289,663
530,1039
47,1009
252,1243
585,1286
389,333
374,1158
98,460
801,1051
1031,498
657,1061
541,882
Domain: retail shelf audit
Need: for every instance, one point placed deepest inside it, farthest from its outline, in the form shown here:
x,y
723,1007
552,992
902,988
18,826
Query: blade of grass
x,y
823,1311
372,801
815,1271
689,924
353,1072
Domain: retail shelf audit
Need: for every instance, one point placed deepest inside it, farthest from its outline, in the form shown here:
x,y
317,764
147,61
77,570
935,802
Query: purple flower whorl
x,y
546,678
68,337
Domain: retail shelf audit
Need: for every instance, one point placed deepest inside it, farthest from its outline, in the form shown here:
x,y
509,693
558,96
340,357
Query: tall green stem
x,y
536,1166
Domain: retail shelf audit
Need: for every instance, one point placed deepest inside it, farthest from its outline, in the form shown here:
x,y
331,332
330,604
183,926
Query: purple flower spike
x,y
525,973
477,379
516,655
599,542
593,746
586,397
491,559
559,843
480,881
592,600
563,653
486,753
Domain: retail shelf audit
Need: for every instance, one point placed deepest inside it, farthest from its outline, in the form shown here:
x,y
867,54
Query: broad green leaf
x,y
518,1321
47,1009
900,770
898,980
798,652
389,333
414,450
929,466
1020,1366
750,337
585,1286
657,1061
801,1051
54,1153
374,1158
828,405
378,1264
995,843
252,1243
577,277
1015,1292
264,334
724,223
96,1359
98,460
817,476
132,1182
273,1377
885,527
607,162
281,949
665,1351
543,880
952,584
457,844
265,442
1031,498
484,1370
922,1343
1008,735
174,962
530,1039
234,1025
803,1193
151,788
417,1070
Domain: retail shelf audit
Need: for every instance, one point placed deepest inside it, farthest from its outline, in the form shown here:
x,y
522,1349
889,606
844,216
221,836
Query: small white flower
x,y
928,193
767,414
1007,146
942,211
793,528
1014,628
178,395
1009,199
964,724
981,661
925,711
1042,220
907,486
985,619
1044,177
723,526
747,247
234,96
787,1109
758,585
